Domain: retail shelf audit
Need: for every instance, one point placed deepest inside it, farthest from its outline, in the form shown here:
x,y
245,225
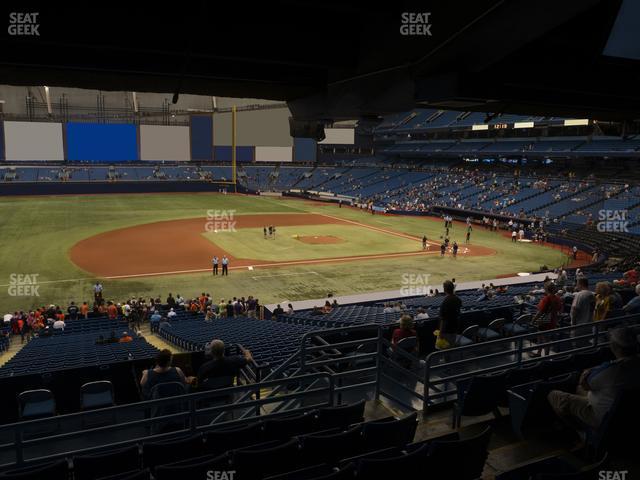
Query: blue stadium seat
x,y
341,415
90,467
97,394
389,433
36,404
58,470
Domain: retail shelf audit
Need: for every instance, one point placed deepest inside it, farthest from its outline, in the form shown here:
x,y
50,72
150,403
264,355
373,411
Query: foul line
x,y
378,229
282,264
285,275
38,282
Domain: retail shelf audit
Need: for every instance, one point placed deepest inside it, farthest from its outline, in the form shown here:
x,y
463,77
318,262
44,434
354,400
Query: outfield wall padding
x,y
274,154
222,153
163,142
98,142
201,138
33,141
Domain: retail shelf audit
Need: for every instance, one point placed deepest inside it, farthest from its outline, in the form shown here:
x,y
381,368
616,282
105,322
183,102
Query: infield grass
x,y
249,243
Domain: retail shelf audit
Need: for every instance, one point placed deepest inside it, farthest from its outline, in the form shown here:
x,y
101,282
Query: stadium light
x,y
576,122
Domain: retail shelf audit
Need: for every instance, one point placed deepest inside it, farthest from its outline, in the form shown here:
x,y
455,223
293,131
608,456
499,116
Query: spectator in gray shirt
x,y
633,306
583,303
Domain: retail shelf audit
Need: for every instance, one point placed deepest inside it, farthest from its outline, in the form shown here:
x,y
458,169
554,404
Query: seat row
x,y
367,449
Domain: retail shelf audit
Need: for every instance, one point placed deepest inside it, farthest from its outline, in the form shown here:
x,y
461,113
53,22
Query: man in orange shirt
x,y
112,311
125,338
203,301
84,310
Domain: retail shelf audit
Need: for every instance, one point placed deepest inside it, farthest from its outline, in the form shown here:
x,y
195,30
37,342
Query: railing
x,y
443,368
330,364
153,420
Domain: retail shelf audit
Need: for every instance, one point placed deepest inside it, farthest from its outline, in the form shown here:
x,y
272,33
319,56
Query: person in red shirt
x,y
549,310
405,330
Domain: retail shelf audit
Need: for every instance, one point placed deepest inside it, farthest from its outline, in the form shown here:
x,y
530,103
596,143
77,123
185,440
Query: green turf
x,y
249,243
36,234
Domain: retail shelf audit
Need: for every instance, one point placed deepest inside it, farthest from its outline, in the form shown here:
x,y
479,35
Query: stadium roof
x,y
338,59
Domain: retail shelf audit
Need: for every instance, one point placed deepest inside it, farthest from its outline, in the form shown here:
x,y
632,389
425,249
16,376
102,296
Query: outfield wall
x,y
261,136
88,188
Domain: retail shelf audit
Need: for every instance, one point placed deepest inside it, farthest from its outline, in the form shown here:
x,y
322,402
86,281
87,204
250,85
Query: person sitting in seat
x,y
405,330
221,370
633,306
599,386
163,372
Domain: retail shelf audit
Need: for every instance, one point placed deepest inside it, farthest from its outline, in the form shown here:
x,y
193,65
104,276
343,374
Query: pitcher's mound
x,y
319,239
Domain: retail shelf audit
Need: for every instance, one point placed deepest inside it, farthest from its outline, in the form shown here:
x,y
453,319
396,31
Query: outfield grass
x,y
36,234
249,243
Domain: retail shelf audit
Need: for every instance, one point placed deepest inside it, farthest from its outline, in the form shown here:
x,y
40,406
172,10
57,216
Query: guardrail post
x,y
257,407
331,391
425,393
519,347
193,424
378,363
18,442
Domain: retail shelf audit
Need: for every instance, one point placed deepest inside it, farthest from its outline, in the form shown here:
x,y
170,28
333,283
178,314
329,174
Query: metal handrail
x,y
190,411
433,360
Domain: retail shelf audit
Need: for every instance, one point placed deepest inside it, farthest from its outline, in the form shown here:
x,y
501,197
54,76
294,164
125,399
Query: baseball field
x,y
53,249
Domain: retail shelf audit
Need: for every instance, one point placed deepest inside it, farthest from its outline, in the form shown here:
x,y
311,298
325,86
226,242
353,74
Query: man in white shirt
x,y
583,303
59,325
171,313
421,314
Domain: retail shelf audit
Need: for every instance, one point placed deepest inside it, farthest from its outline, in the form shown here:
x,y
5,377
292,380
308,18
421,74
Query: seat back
x,y
92,388
524,374
340,416
133,475
89,467
41,400
253,463
167,389
221,440
410,465
524,319
96,394
197,468
462,459
408,344
161,453
317,448
497,324
393,433
471,332
481,394
287,427
53,471
557,366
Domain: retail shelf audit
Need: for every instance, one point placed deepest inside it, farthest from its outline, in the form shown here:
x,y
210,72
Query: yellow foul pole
x,y
233,147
